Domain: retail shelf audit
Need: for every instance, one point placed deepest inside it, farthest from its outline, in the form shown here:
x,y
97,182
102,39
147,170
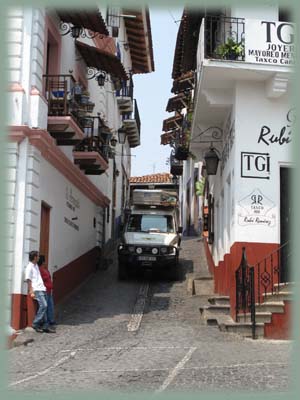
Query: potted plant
x,y
230,50
182,152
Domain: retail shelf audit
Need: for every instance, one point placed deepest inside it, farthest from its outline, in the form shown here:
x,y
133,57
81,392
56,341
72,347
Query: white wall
x,y
66,243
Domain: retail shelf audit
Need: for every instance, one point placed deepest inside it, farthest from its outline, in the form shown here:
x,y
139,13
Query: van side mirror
x,y
180,229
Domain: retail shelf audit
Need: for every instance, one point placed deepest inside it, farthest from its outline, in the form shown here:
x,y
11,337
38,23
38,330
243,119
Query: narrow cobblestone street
x,y
145,334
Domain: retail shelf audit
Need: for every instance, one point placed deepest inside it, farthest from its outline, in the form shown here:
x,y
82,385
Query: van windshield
x,y
150,223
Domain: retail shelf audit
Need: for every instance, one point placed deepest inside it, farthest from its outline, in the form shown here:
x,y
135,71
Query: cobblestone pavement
x,y
101,345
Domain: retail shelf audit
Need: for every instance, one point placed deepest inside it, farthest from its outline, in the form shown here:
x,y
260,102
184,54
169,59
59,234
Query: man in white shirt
x,y
37,290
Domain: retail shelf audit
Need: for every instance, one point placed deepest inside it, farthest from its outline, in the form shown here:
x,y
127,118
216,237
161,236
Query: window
x,y
151,223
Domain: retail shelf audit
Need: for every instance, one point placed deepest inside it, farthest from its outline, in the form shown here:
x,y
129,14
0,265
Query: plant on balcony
x,y
182,152
230,50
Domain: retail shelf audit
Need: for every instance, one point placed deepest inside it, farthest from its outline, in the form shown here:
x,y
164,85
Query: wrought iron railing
x,y
176,166
270,272
66,97
245,292
126,89
224,37
94,140
134,115
254,282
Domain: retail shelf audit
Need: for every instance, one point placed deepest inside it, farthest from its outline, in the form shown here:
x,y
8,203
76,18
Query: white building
x,y
243,61
70,99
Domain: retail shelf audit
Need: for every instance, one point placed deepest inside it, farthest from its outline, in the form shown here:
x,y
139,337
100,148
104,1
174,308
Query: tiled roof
x,y
154,178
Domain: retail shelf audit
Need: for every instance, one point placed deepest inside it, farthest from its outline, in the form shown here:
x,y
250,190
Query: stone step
x,y
203,286
272,307
219,300
285,287
244,329
215,309
281,296
260,317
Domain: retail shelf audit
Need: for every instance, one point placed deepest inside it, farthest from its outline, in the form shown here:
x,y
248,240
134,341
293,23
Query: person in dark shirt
x,y
46,276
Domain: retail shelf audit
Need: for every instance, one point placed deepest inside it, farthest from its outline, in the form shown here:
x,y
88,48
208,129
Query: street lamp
x,y
101,78
76,31
211,161
113,141
122,135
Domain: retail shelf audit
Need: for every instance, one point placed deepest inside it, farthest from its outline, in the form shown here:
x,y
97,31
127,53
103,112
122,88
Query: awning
x,y
101,60
139,38
168,137
172,123
184,82
177,103
91,19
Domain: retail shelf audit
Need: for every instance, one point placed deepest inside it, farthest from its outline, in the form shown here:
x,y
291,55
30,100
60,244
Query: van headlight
x,y
139,250
131,249
164,250
154,251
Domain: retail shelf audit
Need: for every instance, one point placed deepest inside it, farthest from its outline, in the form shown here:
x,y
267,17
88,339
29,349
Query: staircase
x,y
272,310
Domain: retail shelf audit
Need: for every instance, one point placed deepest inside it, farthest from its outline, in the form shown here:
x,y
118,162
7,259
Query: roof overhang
x,y
101,60
91,19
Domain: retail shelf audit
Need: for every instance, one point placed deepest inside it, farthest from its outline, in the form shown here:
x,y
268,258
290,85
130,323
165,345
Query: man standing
x,y
37,290
46,276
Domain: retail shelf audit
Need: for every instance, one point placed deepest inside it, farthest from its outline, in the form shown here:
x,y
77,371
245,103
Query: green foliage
x,y
199,187
230,48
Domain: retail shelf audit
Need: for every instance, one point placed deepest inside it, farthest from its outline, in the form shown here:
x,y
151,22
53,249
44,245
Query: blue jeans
x,y
40,318
50,309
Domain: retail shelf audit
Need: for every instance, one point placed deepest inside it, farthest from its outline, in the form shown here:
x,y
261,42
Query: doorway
x,y
44,231
285,219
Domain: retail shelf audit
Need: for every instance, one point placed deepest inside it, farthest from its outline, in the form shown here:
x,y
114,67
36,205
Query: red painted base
x,y
280,325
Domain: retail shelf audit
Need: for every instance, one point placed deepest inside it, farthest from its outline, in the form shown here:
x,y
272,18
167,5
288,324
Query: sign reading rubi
x,y
269,42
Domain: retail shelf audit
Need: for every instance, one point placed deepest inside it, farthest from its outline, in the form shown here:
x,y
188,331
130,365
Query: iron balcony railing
x,y
65,97
224,37
134,115
176,166
95,139
126,89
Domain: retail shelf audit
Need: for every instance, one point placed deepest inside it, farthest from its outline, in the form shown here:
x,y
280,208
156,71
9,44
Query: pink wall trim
x,y
16,87
81,155
35,92
52,28
42,140
67,120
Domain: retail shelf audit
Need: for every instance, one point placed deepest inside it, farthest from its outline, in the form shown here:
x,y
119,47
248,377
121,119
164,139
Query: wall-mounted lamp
x,y
122,135
100,78
113,141
211,159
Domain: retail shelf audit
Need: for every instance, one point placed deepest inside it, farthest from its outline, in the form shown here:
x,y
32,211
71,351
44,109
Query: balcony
x,y
176,166
174,122
132,125
90,154
66,109
125,97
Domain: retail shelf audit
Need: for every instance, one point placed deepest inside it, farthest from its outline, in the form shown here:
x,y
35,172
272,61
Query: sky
x,y
152,92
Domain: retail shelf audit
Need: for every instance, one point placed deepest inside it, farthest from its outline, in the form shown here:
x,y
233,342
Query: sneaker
x,y
38,329
49,330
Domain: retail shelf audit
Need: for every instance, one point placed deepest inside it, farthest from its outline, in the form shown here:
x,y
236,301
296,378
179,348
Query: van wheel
x,y
122,272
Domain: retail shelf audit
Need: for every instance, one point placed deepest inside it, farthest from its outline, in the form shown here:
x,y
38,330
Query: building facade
x,y
241,128
73,121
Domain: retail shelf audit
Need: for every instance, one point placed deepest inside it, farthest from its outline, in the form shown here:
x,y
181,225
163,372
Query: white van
x,y
152,235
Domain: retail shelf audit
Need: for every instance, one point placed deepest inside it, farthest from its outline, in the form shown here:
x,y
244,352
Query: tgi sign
x,y
255,165
269,42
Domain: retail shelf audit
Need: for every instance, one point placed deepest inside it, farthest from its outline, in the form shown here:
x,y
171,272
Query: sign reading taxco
x,y
269,42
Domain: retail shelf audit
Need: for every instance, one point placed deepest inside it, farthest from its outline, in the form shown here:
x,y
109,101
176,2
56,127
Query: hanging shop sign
x,y
269,42
72,204
255,165
257,209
